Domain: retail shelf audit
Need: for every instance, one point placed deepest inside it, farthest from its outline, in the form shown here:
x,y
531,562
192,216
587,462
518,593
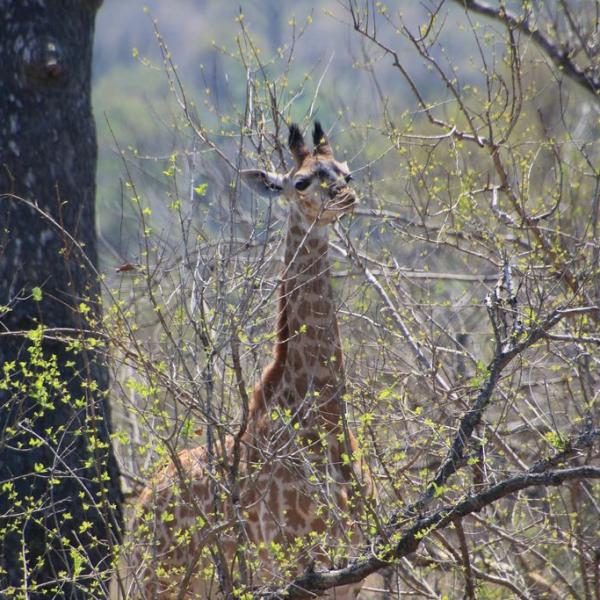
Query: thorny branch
x,y
511,341
405,541
472,418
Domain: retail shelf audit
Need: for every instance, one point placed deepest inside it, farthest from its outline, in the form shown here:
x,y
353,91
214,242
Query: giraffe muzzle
x,y
343,202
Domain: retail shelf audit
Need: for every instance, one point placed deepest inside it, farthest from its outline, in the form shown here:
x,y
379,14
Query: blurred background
x,y
323,69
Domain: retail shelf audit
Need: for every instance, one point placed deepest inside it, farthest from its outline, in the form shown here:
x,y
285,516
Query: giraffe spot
x,y
229,548
296,231
319,307
301,383
290,399
316,286
290,498
187,510
201,492
178,554
281,473
321,383
310,348
295,359
317,525
254,532
311,332
303,311
273,500
295,521
298,524
304,504
310,439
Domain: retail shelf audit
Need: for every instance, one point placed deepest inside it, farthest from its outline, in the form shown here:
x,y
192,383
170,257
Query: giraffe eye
x,y
348,178
302,184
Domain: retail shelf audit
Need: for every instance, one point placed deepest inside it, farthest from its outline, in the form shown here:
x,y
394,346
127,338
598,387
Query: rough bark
x,y
59,493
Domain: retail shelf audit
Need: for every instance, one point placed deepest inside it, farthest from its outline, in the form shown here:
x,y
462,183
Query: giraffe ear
x,y
296,144
320,140
263,182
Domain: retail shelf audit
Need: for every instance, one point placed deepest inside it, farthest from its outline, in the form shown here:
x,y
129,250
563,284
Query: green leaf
x,y
36,292
77,560
201,189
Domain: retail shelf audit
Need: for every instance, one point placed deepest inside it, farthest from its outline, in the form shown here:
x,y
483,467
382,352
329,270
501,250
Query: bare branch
x,y
407,540
558,54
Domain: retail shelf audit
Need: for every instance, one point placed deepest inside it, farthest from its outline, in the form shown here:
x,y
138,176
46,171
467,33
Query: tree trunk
x,y
60,514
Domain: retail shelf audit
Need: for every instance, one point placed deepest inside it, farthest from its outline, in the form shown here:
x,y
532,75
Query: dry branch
x,y
407,539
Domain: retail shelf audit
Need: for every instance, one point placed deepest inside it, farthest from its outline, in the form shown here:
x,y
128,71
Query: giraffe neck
x,y
313,371
306,376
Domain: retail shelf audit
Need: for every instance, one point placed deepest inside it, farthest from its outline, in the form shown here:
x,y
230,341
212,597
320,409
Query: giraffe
x,y
300,480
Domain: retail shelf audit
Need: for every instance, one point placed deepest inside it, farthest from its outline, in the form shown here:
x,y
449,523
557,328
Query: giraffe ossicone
x,y
298,493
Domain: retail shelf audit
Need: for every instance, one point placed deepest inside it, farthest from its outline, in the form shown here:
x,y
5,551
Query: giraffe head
x,y
318,185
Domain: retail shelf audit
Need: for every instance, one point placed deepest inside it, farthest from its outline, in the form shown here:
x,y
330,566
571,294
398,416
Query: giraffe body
x,y
297,488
